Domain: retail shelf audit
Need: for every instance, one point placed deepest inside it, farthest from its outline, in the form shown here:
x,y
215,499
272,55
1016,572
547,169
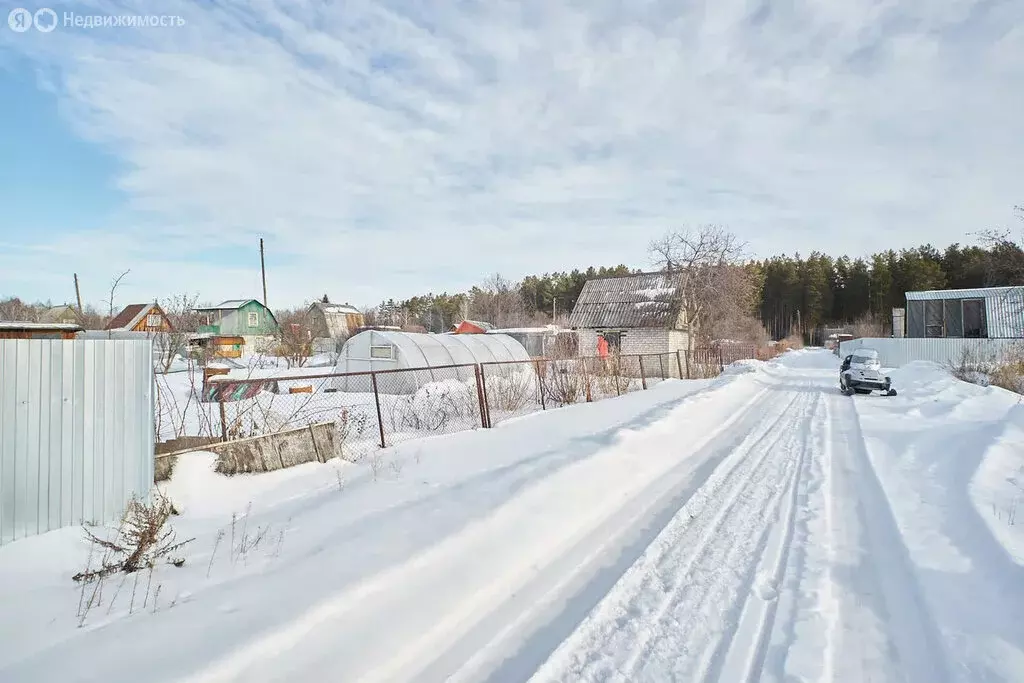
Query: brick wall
x,y
645,340
637,340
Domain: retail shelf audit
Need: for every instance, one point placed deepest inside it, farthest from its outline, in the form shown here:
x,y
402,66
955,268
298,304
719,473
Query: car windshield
x,y
864,360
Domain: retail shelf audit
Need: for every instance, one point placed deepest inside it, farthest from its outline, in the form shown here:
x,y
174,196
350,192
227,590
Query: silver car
x,y
861,373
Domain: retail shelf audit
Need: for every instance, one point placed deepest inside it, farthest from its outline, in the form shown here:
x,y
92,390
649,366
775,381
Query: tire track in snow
x,y
885,573
712,563
481,593
757,620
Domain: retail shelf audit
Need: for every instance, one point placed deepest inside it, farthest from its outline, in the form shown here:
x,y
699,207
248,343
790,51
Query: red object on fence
x,y
602,347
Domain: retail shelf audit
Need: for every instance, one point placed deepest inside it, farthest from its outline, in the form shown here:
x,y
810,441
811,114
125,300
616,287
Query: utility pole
x,y
263,272
78,295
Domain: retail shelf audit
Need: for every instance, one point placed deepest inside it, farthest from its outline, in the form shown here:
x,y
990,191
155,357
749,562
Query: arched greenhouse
x,y
375,350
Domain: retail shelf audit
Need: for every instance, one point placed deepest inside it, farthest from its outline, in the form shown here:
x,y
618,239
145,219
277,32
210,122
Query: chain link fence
x,y
372,410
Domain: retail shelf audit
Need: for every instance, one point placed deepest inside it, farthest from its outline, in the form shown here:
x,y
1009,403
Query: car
x,y
861,373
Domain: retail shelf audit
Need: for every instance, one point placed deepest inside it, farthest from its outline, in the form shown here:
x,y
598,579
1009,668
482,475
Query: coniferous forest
x,y
797,294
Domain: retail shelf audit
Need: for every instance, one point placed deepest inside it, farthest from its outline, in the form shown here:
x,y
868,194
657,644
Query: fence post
x,y
661,364
376,399
481,395
223,423
540,384
687,352
721,363
618,375
586,380
679,363
643,376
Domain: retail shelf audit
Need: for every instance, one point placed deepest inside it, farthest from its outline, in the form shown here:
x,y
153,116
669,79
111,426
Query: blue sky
x,y
390,148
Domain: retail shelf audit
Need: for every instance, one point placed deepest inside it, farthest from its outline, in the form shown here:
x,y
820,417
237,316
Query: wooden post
x,y
376,399
586,379
687,364
263,273
643,376
78,295
679,363
223,423
540,385
618,375
661,362
481,397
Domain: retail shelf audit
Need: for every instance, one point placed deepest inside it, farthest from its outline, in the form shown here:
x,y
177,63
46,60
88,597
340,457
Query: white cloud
x,y
387,149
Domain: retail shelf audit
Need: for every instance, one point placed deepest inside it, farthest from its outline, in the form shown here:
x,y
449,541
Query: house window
x,y
254,319
382,352
152,320
614,339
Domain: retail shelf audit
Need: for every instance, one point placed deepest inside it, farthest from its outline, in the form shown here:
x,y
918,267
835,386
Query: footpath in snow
x,y
760,526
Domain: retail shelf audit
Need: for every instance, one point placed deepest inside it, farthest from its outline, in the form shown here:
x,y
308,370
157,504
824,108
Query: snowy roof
x,y
335,309
547,329
229,305
642,300
21,325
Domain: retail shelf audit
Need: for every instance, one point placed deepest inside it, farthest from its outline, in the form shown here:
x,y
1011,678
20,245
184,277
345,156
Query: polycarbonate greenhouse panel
x,y
76,431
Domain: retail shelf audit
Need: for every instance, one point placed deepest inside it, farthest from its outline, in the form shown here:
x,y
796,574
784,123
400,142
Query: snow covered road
x,y
760,527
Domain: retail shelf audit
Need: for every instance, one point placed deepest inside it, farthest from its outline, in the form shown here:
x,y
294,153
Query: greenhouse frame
x,y
378,350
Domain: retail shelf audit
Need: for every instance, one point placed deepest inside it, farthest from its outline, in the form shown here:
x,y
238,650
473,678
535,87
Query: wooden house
x,y
65,315
140,318
247,319
334,321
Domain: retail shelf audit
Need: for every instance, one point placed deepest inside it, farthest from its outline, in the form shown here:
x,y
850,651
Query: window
x,y
974,318
933,319
614,340
152,320
254,319
382,352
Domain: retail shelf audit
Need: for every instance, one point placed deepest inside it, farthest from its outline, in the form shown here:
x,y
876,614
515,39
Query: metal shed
x,y
985,313
375,350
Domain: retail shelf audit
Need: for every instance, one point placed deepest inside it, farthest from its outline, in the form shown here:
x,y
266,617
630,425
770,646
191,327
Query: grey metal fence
x,y
76,431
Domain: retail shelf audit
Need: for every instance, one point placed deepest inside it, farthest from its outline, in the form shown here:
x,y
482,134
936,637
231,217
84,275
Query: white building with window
x,y
376,350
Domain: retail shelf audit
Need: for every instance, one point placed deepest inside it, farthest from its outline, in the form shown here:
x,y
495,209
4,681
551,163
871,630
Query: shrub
x,y
434,406
512,389
142,541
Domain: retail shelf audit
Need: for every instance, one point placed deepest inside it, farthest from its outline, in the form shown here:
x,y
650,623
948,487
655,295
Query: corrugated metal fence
x,y
76,431
896,352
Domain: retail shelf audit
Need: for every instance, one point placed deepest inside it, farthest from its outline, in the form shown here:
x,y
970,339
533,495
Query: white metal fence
x,y
76,431
896,352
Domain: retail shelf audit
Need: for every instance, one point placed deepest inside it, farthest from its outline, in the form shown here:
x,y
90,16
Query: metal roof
x,y
336,309
229,305
21,325
642,300
980,293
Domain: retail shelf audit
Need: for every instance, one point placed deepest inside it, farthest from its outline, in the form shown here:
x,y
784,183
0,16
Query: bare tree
x,y
498,301
16,309
707,265
181,313
295,337
113,290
